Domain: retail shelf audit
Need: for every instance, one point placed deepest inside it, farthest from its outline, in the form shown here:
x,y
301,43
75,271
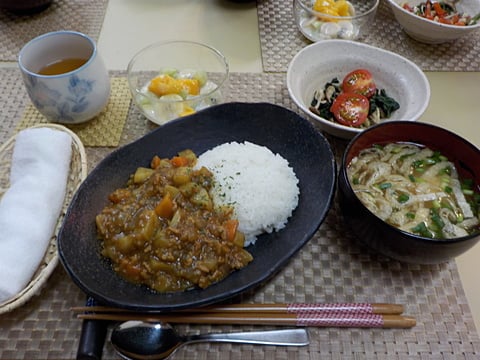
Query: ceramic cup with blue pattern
x,y
70,97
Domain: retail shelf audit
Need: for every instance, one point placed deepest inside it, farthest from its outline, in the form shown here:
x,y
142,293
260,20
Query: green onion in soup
x,y
416,189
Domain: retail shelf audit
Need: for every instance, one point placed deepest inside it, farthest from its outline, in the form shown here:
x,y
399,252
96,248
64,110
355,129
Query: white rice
x,y
260,185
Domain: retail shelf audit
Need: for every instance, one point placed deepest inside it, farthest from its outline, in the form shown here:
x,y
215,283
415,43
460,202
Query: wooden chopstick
x,y
320,315
325,320
354,308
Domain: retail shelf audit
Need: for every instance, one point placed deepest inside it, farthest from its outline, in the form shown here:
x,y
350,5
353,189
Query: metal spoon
x,y
142,340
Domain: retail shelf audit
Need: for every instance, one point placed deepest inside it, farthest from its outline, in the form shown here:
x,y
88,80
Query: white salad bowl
x,y
315,65
432,32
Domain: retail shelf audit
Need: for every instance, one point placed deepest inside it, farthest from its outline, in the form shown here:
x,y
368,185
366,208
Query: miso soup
x,y
416,189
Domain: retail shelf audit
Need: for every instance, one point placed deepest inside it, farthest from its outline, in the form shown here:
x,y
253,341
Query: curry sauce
x,y
164,231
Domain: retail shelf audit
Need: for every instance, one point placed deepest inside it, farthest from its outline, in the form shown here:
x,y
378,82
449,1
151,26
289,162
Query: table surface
x,y
233,29
225,25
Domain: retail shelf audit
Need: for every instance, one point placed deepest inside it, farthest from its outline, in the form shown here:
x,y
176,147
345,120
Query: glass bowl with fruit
x,y
334,19
173,79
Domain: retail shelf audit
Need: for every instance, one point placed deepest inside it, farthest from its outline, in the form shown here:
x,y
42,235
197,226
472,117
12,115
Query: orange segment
x,y
166,85
332,7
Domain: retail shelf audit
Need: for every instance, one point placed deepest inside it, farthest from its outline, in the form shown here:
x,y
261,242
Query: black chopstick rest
x,y
92,338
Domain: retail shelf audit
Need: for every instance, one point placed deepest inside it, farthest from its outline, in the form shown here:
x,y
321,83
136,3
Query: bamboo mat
x,y
331,267
280,40
85,16
103,130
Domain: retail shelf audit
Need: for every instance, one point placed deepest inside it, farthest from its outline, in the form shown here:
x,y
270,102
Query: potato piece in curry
x,y
164,231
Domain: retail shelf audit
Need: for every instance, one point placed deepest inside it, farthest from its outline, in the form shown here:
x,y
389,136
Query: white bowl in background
x,y
429,31
320,62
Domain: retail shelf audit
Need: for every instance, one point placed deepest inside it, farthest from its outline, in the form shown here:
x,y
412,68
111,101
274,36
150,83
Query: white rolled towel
x,y
30,208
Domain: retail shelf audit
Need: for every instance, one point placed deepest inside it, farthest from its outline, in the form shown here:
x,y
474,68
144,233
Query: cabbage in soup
x,y
415,189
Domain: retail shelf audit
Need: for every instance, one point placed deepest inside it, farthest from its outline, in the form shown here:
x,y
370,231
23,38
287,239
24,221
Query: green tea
x,y
62,66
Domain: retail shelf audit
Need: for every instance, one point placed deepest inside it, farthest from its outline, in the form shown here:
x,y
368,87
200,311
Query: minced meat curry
x,y
164,231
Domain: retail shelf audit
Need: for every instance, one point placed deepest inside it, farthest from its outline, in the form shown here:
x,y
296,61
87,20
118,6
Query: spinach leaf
x,y
386,104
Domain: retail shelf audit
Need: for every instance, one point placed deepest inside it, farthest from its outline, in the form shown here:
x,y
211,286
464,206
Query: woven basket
x,y
78,172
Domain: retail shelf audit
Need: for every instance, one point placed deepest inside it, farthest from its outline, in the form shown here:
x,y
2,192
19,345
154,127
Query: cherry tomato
x,y
350,109
359,81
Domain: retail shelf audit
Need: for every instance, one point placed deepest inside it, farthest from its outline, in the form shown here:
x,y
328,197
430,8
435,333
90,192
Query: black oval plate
x,y
275,127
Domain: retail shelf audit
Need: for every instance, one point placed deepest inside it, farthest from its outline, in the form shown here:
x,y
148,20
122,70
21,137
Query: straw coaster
x,y
105,129
85,16
78,172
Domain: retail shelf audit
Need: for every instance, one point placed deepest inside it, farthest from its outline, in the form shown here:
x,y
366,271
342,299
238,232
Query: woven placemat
x,y
331,267
103,130
85,16
280,40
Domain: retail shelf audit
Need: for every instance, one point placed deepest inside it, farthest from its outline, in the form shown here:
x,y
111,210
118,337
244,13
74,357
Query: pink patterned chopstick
x,y
308,308
250,318
349,308
376,315
355,320
289,308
